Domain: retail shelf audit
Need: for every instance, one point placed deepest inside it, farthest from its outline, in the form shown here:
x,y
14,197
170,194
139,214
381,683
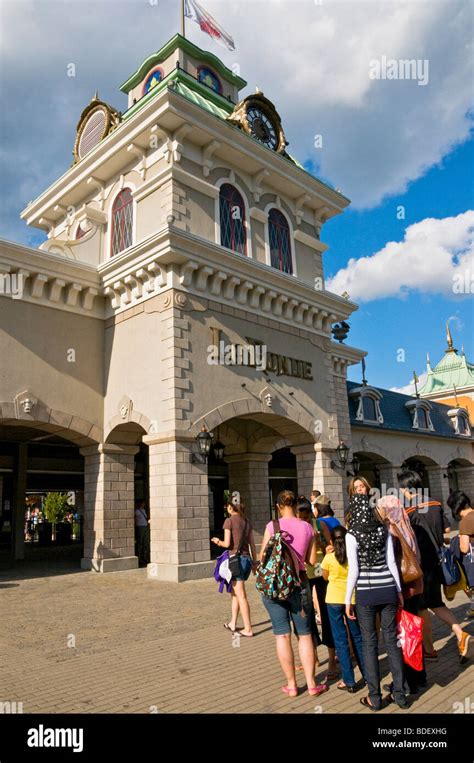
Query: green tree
x,y
55,506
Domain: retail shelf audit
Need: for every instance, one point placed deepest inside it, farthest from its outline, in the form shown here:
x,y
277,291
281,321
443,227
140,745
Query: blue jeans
x,y
366,617
296,609
338,627
245,564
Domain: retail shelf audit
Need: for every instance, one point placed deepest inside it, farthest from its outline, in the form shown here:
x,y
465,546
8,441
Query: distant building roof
x,y
397,418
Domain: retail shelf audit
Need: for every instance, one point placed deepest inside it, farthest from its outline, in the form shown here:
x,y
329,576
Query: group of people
x,y
352,581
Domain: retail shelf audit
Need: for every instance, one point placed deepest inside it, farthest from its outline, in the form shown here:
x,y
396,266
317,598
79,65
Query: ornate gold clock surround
x,y
258,100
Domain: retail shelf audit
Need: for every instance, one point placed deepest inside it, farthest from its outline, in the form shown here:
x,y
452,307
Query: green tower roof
x,y
452,372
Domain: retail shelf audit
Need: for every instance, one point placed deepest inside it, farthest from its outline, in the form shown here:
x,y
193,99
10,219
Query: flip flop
x,y
315,691
290,692
228,628
365,701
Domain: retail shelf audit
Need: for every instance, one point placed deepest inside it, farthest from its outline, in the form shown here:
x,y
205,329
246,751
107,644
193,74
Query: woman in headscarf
x,y
374,575
392,513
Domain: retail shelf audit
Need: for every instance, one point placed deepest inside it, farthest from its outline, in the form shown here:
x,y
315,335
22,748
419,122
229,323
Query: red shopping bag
x,y
410,638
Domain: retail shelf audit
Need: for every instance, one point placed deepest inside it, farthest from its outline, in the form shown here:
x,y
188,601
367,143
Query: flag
x,y
194,11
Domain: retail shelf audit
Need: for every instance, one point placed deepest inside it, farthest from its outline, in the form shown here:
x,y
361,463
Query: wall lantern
x,y
204,441
218,448
342,454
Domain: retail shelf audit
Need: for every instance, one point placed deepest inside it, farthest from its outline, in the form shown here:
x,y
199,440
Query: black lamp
x,y
204,441
342,452
218,448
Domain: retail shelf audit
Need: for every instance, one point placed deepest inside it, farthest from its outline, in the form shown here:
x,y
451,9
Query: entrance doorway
x,y
282,475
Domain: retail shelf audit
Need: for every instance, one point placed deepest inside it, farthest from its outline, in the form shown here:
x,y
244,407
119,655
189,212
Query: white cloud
x,y
434,257
409,389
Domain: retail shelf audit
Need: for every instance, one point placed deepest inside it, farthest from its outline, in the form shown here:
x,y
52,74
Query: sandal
x,y
289,691
365,701
344,687
315,691
228,628
430,655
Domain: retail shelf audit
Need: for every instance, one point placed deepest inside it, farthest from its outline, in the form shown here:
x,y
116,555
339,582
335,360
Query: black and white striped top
x,y
377,584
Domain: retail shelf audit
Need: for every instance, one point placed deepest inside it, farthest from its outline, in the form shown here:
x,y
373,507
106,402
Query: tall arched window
x,y
279,238
232,219
122,221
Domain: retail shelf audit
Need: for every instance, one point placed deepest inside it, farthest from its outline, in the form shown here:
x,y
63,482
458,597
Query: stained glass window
x,y
153,79
232,219
280,246
207,77
122,221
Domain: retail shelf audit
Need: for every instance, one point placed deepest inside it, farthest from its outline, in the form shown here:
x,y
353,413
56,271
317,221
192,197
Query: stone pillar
x,y
439,484
248,473
314,470
109,508
179,511
466,480
18,513
388,477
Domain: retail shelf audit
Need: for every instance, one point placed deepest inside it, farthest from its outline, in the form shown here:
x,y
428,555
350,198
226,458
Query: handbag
x,y
410,638
410,567
234,561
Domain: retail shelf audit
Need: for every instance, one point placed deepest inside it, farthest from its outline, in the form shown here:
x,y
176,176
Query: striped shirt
x,y
377,584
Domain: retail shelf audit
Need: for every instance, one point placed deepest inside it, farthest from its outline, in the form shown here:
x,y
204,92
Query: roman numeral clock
x,y
257,116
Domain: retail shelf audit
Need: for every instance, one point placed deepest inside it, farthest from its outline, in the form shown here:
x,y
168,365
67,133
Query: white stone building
x,y
184,225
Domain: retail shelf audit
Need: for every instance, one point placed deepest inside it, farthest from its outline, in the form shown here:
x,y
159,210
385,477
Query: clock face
x,y
262,127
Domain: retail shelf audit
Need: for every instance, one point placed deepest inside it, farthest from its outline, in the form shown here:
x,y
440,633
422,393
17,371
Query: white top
x,y
352,558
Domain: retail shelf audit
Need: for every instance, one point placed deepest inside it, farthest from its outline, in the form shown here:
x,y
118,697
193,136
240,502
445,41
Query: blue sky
x,y
417,323
386,143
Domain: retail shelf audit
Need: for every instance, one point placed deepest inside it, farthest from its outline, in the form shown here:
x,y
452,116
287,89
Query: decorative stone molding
x,y
267,397
25,404
53,280
125,407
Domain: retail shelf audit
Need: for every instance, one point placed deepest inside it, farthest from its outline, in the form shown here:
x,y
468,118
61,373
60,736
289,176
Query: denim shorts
x,y
245,564
296,609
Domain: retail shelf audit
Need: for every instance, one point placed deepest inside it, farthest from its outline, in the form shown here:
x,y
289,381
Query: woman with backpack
x,y
238,538
335,570
287,544
373,574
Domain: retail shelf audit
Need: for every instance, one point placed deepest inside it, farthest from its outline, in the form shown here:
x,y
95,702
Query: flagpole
x,y
183,28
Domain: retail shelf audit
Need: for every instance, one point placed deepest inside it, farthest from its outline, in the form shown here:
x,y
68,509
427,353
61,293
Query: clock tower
x,y
191,220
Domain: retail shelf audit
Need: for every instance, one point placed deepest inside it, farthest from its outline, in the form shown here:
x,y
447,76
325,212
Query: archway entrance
x,y
36,468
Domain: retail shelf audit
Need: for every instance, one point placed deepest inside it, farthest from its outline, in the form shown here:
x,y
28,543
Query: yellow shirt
x,y
336,590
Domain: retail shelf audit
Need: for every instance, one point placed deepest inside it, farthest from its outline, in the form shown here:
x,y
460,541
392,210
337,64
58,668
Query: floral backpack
x,y
278,573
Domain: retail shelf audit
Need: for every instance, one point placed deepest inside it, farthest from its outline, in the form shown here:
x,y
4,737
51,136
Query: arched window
x,y
368,407
232,219
122,221
207,77
153,79
280,246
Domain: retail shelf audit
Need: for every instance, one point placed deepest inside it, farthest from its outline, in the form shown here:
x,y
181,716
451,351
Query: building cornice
x,y
53,281
175,259
165,115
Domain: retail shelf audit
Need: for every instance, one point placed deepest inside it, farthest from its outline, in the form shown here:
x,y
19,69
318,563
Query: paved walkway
x,y
143,646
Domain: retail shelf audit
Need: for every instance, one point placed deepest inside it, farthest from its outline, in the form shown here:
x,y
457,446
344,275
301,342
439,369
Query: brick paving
x,y
143,646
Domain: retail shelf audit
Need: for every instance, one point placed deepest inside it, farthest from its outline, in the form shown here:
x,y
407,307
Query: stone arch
x,y
280,416
421,453
76,429
131,421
